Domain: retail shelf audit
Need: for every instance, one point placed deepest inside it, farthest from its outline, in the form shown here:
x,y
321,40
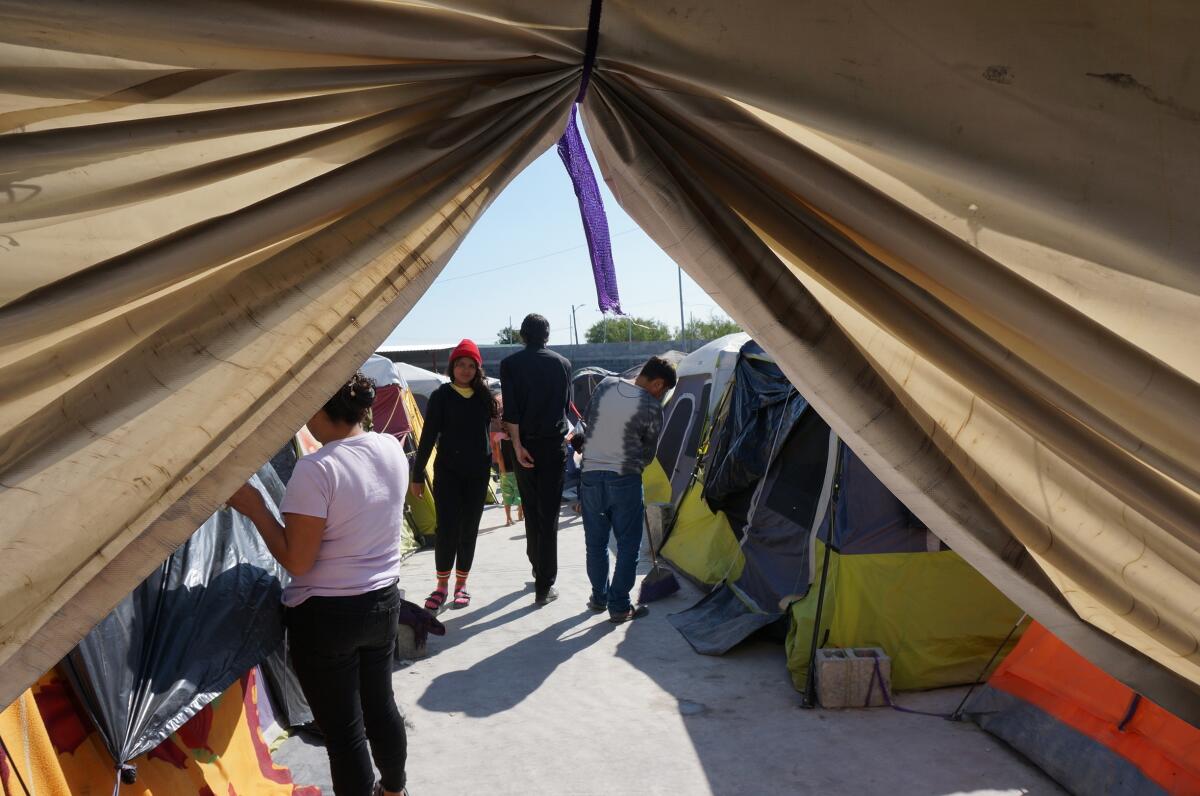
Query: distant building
x,y
616,357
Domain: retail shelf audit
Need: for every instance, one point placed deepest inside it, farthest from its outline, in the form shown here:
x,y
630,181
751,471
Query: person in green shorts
x,y
506,458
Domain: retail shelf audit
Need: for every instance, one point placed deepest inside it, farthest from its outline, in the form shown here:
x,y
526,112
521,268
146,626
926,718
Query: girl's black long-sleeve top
x,y
459,428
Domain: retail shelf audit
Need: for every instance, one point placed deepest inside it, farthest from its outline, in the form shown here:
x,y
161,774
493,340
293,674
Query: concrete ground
x,y
517,699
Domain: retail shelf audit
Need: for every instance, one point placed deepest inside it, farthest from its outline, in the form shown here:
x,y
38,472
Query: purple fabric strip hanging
x,y
591,206
591,210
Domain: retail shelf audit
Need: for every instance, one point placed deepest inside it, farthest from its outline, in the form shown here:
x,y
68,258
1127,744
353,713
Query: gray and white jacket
x,y
622,428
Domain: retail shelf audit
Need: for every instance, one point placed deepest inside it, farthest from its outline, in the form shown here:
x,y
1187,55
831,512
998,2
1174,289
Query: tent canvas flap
x,y
965,232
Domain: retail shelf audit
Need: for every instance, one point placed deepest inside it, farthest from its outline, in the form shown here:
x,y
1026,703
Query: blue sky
x,y
530,243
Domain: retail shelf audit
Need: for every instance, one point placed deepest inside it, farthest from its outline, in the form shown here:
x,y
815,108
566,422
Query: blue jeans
x,y
612,503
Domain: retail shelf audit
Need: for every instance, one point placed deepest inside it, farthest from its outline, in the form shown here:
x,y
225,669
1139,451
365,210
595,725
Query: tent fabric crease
x,y
967,234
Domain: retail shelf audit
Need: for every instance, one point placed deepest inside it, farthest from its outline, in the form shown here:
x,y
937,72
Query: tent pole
x,y
16,767
809,700
682,325
957,715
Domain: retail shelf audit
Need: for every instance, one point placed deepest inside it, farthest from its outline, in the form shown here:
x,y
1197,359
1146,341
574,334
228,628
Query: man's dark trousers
x,y
541,489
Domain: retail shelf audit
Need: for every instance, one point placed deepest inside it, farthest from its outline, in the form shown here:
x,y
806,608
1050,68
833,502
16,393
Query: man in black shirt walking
x,y
536,387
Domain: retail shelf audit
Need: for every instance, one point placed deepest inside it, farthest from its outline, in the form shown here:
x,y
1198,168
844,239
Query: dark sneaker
x,y
596,607
628,616
546,597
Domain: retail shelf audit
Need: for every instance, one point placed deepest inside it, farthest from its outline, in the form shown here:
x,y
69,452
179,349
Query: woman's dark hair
x,y
352,402
535,330
478,385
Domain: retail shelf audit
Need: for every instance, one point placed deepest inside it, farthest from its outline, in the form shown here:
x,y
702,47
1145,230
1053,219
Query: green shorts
x,y
508,489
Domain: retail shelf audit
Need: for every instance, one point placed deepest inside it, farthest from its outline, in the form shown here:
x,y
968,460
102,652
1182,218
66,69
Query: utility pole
x,y
682,327
574,324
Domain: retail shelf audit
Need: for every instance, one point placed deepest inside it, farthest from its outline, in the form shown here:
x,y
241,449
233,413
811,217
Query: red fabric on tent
x,y
1045,672
387,413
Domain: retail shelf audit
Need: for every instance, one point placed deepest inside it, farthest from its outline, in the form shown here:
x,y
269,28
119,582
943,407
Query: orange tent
x,y
220,750
1087,730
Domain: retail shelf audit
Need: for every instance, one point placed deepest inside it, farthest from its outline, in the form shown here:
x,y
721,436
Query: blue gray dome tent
x,y
780,487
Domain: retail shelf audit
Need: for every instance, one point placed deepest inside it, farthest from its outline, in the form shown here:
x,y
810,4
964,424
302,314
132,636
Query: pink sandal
x,y
462,598
434,601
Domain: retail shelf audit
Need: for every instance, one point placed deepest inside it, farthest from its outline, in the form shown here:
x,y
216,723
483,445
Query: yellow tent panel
x,y
937,618
702,544
656,487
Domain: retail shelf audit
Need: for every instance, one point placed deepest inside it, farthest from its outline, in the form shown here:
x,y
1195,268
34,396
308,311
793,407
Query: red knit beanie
x,y
469,350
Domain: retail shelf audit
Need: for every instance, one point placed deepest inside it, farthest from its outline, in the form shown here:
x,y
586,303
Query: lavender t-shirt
x,y
358,485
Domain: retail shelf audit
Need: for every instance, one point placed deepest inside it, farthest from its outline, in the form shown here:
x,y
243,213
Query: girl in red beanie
x,y
457,421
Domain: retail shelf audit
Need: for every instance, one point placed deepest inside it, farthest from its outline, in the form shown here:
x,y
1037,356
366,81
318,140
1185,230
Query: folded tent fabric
x,y
962,260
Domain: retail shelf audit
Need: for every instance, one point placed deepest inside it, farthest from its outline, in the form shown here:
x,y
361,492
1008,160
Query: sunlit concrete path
x,y
518,699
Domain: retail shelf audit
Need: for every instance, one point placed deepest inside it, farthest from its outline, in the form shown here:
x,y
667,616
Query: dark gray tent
x,y
583,384
776,475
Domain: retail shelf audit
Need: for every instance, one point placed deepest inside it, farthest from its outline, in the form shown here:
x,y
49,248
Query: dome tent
x,y
759,518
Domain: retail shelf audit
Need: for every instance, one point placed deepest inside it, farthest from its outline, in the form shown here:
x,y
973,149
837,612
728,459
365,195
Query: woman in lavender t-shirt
x,y
340,540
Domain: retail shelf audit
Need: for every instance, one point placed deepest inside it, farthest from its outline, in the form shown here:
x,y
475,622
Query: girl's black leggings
x,y
458,497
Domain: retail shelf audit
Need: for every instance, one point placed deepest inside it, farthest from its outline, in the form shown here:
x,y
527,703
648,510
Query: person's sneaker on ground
x,y
548,596
627,616
596,607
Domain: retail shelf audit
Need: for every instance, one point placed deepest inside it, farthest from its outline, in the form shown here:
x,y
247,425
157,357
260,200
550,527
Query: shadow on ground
x,y
557,700
522,668
744,721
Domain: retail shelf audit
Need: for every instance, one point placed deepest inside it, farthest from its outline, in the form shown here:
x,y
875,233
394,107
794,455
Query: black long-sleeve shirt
x,y
459,427
536,385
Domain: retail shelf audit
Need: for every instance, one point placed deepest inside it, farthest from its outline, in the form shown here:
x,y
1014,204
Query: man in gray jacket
x,y
619,440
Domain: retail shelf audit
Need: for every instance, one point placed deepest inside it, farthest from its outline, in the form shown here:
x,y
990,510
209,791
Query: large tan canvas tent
x,y
967,232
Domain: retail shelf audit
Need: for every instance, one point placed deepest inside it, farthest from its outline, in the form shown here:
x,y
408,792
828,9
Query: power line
x,y
526,262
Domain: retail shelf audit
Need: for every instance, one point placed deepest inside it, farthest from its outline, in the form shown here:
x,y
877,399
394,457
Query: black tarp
x,y
287,698
284,463
210,613
762,410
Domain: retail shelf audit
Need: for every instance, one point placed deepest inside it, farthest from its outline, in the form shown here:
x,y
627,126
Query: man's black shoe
x,y
628,616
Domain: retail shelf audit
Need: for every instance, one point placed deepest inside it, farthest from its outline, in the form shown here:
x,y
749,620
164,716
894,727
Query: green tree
x,y
616,330
711,328
508,336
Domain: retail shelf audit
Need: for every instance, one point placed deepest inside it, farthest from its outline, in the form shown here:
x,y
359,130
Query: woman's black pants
x,y
341,650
